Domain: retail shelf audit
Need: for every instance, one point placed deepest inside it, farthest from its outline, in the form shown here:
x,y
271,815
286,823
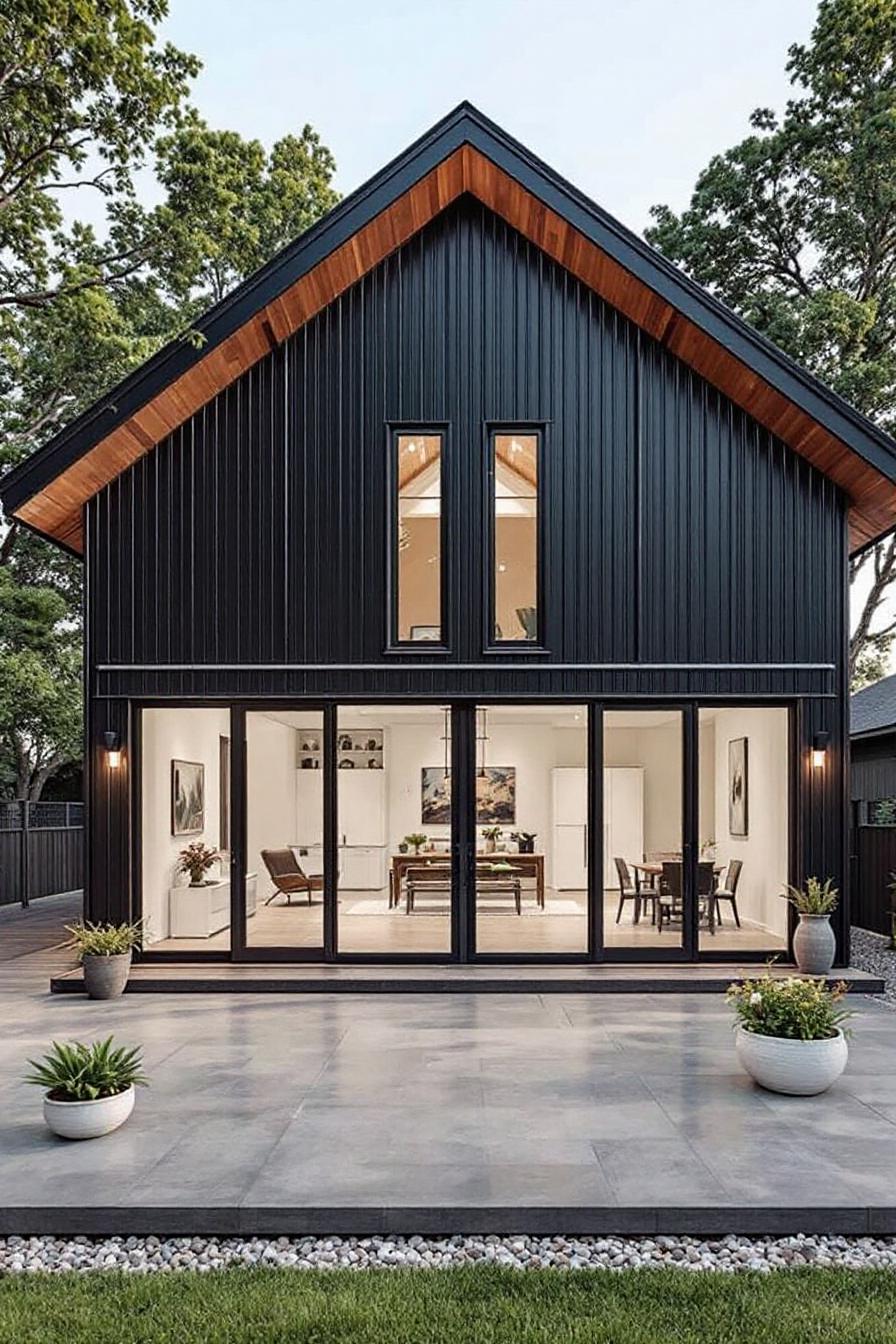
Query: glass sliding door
x,y
285,829
394,829
643,832
744,792
184,803
531,866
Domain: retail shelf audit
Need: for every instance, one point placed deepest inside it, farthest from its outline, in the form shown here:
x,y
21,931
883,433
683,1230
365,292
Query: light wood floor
x,y
301,926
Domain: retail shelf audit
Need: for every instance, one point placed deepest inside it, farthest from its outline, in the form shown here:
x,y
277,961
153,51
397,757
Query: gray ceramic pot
x,y
814,945
106,977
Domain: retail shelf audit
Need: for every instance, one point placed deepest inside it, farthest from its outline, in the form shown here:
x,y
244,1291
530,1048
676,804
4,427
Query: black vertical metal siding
x,y
676,529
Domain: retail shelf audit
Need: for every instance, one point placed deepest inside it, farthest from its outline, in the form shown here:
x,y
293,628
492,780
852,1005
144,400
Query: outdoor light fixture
x,y
819,749
112,743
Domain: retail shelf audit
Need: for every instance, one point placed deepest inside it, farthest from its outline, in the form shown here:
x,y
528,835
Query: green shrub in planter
x,y
89,1090
104,951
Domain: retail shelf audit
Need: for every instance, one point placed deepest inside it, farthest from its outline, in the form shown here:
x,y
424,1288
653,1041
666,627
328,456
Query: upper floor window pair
x,y
512,531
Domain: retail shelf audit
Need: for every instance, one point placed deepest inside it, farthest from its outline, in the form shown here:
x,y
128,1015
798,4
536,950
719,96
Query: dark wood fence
x,y
41,850
873,866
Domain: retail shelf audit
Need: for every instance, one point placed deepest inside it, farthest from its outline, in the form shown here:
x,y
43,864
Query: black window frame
x,y
516,647
396,429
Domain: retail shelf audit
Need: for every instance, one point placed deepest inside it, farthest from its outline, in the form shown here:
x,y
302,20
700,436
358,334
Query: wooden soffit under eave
x,y
56,510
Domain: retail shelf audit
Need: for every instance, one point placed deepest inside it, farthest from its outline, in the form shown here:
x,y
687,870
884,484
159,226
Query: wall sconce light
x,y
112,743
820,750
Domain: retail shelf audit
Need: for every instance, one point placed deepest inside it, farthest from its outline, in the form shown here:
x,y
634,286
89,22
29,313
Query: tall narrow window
x,y
514,469
418,538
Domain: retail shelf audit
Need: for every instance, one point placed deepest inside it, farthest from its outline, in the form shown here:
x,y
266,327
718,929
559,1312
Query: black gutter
x,y
464,125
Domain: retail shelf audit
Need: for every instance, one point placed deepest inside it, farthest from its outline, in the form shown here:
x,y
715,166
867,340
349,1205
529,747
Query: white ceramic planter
x,y
88,1119
797,1068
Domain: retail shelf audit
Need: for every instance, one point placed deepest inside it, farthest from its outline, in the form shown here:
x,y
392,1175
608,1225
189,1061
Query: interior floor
x,y
367,925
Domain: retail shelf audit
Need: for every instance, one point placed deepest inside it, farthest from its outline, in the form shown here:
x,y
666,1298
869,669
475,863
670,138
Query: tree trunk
x,y
882,558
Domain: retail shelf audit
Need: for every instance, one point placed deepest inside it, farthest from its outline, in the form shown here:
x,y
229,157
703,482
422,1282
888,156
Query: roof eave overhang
x,y
463,127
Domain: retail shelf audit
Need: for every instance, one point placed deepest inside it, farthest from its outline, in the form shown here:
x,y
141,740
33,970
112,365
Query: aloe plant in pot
x,y
89,1089
814,944
104,951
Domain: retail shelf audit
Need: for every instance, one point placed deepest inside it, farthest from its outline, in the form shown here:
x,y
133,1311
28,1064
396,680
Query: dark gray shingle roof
x,y
874,707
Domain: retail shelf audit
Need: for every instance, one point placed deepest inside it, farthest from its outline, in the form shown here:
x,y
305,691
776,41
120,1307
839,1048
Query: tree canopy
x,y
90,96
795,228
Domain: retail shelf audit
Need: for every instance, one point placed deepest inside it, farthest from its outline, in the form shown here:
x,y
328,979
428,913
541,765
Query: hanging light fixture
x,y
481,739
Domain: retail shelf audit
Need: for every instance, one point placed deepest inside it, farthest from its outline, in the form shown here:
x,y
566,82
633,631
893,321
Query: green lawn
x,y
463,1306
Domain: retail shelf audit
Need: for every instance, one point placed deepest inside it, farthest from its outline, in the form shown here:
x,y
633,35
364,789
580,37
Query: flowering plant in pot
x,y
196,860
105,951
814,944
417,839
789,1033
89,1089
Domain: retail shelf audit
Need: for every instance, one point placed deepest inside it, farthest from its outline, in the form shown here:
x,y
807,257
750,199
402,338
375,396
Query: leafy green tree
x,y
231,205
795,228
89,95
40,685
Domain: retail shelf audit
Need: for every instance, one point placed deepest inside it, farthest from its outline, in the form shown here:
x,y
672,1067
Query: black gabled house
x,y
477,589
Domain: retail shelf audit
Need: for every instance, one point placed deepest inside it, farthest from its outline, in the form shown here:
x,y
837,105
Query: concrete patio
x,y
462,1112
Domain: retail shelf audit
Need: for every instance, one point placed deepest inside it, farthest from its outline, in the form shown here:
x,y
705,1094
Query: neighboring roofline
x,y
888,730
464,125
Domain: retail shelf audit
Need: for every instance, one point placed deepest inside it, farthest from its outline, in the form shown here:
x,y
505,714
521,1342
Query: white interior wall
x,y
271,822
764,850
657,748
533,748
184,735
707,780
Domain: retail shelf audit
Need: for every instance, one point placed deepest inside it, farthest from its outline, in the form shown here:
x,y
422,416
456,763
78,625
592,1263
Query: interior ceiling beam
x,y
56,510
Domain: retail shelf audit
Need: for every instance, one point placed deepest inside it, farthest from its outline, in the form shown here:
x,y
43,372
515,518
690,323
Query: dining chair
x,y
728,892
629,890
670,898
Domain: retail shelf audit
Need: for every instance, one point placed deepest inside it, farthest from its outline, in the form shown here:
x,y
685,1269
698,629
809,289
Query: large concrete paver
x,y
260,1104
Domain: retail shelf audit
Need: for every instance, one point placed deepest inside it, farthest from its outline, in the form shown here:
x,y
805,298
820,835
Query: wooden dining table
x,y
527,865
653,870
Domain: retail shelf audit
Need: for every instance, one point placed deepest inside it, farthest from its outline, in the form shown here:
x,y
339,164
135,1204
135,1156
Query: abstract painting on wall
x,y
495,796
187,797
737,786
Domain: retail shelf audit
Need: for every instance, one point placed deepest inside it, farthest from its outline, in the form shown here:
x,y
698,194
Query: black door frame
x,y
463,762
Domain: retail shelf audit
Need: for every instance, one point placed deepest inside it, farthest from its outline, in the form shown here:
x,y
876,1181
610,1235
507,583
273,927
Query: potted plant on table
x,y
417,839
105,952
491,835
525,841
196,860
90,1089
789,1033
814,944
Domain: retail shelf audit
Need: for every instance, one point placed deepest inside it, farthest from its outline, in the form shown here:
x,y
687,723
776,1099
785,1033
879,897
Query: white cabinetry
x,y
201,912
623,818
361,826
569,854
623,824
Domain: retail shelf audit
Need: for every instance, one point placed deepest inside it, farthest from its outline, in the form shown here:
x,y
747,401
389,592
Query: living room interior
x,y
394,828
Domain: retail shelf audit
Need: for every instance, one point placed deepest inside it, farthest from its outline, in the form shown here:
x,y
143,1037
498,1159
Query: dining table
x,y
528,865
653,869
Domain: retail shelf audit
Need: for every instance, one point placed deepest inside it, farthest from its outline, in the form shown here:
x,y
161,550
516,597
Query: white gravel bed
x,y
872,952
152,1255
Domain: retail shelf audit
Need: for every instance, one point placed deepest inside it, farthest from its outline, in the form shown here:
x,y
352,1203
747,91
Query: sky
x,y
626,98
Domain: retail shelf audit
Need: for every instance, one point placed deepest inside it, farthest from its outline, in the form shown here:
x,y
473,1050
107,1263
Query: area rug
x,y
490,907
